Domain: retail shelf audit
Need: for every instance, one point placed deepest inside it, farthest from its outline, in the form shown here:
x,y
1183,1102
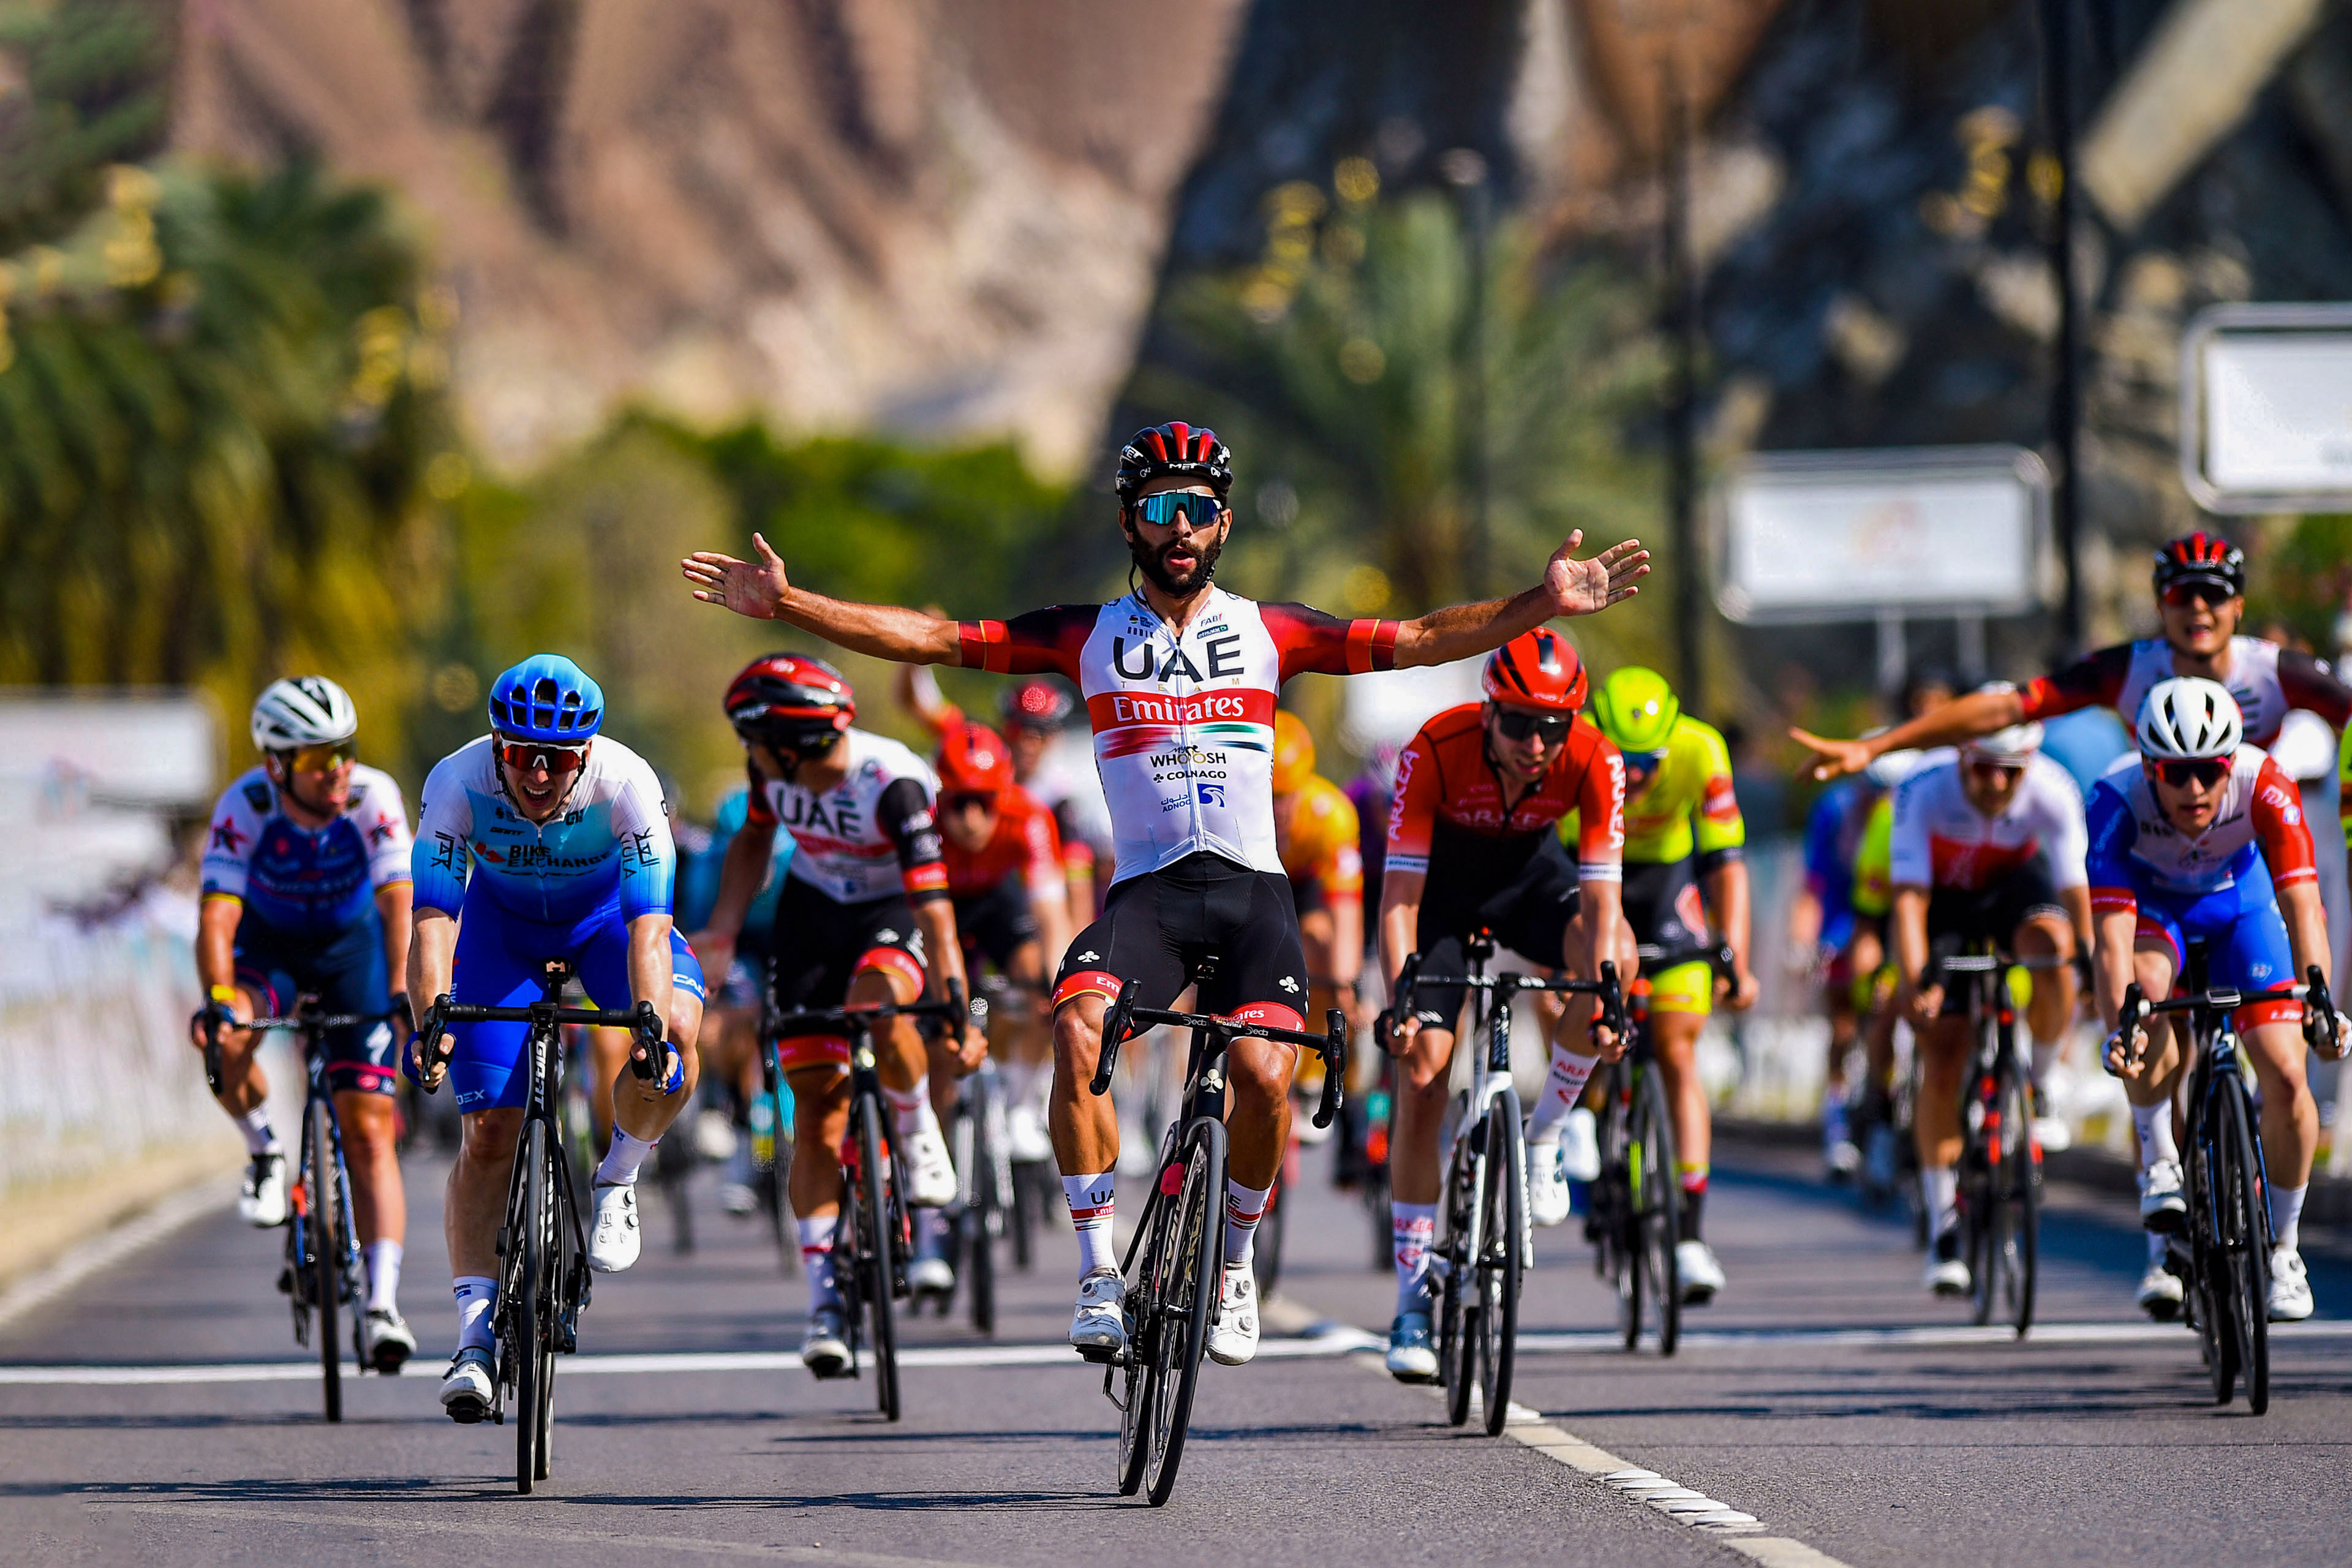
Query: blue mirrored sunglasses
x,y
1162,510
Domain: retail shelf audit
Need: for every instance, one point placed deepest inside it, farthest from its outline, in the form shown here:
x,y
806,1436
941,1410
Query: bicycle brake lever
x,y
1116,1025
1335,1066
648,1032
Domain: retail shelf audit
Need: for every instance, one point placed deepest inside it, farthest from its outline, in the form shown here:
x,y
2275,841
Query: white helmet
x,y
2189,718
308,710
2015,746
1891,768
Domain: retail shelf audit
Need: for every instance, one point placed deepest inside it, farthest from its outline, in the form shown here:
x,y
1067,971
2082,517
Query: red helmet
x,y
1189,452
1037,705
2201,557
790,701
973,760
1537,669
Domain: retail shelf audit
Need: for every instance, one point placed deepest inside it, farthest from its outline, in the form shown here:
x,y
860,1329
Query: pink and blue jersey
x,y
301,883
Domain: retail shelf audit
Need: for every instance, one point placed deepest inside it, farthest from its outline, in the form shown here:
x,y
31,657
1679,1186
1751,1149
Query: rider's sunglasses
x,y
323,759
2204,774
1990,771
1162,510
524,755
1518,723
967,800
2198,590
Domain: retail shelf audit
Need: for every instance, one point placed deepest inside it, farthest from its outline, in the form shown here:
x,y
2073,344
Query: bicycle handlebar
x,y
434,1045
2319,1016
952,1006
1119,1023
1611,993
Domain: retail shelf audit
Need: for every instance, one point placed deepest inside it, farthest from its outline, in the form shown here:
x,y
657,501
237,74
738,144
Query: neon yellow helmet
x,y
1636,710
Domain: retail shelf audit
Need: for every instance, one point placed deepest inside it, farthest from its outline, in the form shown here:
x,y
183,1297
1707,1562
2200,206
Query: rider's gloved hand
x,y
2116,1052
2331,1044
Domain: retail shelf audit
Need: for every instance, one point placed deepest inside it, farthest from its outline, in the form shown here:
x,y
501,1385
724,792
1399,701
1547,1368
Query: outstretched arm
x,y
1569,587
760,590
1963,719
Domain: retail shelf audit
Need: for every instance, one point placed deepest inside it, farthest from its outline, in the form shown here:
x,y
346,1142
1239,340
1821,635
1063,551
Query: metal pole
x,y
2066,394
1894,657
1682,404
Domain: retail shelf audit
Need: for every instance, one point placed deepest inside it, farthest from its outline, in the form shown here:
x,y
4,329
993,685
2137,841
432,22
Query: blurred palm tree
x,y
220,396
83,85
1347,366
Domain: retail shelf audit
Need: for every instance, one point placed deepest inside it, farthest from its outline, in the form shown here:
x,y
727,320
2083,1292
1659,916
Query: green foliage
x,y
2302,578
85,86
215,400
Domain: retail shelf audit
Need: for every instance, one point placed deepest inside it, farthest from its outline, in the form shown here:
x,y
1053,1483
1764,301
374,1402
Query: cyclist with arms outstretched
x,y
1470,847
1180,679
2205,839
543,839
306,888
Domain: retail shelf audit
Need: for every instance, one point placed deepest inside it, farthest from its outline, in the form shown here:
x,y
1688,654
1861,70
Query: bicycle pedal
x,y
1101,1355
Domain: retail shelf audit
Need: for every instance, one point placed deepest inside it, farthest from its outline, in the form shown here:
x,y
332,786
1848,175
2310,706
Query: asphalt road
x,y
1824,1396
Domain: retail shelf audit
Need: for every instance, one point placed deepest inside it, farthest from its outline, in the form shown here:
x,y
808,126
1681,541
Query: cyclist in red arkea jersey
x,y
1180,679
1470,847
2200,598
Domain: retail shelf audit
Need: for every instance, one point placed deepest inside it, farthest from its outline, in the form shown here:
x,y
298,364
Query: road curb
x,y
97,1224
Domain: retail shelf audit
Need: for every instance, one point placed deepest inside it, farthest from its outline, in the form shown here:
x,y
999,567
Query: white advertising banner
x,y
2266,421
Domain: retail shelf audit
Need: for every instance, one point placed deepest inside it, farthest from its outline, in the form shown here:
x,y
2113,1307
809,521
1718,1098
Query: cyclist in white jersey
x,y
1180,679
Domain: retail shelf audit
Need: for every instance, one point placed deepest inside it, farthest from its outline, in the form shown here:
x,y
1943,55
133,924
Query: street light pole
x,y
1466,171
2065,390
1682,400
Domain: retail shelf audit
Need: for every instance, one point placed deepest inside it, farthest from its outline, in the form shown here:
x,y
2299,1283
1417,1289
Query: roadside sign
x,y
1870,534
2266,408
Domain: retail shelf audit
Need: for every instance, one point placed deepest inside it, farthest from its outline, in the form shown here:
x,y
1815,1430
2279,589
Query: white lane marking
x,y
409,1522
1590,1341
105,1251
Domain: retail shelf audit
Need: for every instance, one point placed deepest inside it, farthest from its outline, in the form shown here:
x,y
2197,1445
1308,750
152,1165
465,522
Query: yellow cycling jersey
x,y
1873,862
1321,843
1688,807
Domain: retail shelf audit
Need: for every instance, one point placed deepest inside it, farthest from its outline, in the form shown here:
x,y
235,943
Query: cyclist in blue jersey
x,y
1829,937
543,840
305,890
2206,840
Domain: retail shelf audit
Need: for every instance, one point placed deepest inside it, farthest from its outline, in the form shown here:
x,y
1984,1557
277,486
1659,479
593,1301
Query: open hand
x,y
1832,758
756,589
1587,587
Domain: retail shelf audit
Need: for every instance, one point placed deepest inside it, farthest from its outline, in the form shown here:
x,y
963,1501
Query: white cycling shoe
x,y
2161,1206
1549,1200
1026,1139
1232,1338
1947,1275
613,1244
390,1342
2160,1293
930,1277
822,1350
1579,1146
1700,1271
261,1202
2290,1287
1099,1327
1412,1358
468,1388
931,1174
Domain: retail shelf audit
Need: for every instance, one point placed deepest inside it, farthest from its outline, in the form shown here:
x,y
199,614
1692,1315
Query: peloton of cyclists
x,y
1471,847
1180,679
1684,838
2205,839
1987,846
542,839
306,888
863,918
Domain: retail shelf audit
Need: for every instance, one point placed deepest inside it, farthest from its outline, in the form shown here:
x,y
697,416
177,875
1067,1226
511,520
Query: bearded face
x,y
1182,566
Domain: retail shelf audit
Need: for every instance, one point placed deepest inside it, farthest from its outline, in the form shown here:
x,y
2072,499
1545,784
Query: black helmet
x,y
1174,449
790,701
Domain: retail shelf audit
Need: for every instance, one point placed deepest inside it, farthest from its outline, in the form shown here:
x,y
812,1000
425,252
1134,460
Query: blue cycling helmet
x,y
546,698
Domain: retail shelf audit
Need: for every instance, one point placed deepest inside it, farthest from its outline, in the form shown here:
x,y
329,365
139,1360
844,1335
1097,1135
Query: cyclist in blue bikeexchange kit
x,y
305,890
542,840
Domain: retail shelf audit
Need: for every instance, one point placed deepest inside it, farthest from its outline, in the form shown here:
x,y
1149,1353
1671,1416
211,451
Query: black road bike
x,y
2222,1249
1486,1244
874,1241
542,1250
1636,1207
1175,1260
324,1272
978,1141
2000,1191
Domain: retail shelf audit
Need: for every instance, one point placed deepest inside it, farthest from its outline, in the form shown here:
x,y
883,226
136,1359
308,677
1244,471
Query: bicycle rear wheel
x,y
2245,1230
1502,1254
876,1248
980,1219
1458,1330
1185,1300
2211,1289
322,1223
527,1320
1656,1216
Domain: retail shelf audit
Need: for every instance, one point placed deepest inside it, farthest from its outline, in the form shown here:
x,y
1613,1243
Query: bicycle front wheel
x,y
529,1319
1185,1299
322,1234
1502,1255
2246,1236
878,1219
980,1219
1457,1329
2014,1186
1657,1214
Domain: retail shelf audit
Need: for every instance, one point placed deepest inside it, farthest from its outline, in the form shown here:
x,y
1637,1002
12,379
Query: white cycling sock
x,y
1018,1078
621,1161
254,1125
475,1293
1245,1206
1091,1204
1412,1227
383,1274
1563,1087
2154,1125
910,1109
2045,1056
2286,1216
817,1259
1941,1185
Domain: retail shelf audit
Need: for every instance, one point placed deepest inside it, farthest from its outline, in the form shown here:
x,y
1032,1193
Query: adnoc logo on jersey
x,y
1211,794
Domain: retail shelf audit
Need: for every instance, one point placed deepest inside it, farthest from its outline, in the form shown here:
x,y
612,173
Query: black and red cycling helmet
x,y
1188,451
791,701
2201,557
1537,669
1037,705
